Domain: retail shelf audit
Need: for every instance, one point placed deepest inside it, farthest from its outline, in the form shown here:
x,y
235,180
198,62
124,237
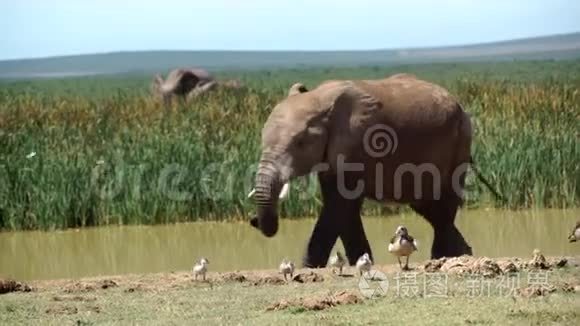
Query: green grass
x,y
176,299
103,144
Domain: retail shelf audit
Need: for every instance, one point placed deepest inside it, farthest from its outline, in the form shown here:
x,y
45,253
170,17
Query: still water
x,y
237,246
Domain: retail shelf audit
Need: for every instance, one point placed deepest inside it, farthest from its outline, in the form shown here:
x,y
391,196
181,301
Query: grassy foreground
x,y
263,298
98,151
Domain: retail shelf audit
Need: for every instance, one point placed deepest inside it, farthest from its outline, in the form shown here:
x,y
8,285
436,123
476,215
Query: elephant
x,y
297,88
188,83
361,137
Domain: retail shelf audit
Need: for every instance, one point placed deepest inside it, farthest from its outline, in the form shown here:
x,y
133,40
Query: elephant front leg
x,y
322,239
339,217
352,232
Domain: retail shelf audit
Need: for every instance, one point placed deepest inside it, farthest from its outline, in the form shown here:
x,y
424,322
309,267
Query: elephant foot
x,y
322,240
355,242
354,255
315,261
449,242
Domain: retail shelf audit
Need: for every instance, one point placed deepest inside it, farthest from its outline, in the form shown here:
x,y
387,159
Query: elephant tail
x,y
485,182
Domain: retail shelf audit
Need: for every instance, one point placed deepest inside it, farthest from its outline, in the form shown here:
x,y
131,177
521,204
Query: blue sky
x,y
39,28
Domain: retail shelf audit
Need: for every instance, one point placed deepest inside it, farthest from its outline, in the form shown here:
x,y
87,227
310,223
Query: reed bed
x,y
96,151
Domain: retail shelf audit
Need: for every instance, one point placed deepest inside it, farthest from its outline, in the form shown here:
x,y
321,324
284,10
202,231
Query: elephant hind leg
x,y
448,241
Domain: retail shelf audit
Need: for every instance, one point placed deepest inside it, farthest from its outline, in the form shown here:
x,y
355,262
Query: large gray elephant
x,y
188,83
375,139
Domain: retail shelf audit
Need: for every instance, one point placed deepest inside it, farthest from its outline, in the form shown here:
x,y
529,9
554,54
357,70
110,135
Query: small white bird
x,y
287,267
402,245
364,264
575,234
200,268
31,155
283,192
337,261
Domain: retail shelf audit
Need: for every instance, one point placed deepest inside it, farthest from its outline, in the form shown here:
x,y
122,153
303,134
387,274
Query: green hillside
x,y
549,47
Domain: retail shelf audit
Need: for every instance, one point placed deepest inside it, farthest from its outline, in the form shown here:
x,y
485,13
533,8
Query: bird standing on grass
x,y
402,245
337,261
200,268
364,264
287,268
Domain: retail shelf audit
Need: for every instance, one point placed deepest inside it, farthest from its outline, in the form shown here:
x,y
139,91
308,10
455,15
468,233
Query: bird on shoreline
x,y
575,234
200,268
402,245
337,261
287,267
364,264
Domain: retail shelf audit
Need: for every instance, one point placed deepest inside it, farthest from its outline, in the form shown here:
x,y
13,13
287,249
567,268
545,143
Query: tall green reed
x,y
119,157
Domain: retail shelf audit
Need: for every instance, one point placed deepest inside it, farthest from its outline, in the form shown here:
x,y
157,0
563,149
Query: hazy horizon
x,y
37,29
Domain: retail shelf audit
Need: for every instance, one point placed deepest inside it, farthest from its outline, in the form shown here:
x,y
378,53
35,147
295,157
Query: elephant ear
x,y
353,111
297,88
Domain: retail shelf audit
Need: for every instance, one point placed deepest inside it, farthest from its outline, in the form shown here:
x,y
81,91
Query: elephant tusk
x,y
283,193
251,194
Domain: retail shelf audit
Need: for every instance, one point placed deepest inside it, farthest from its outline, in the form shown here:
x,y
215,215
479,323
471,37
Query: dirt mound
x,y
309,277
306,277
73,298
134,288
465,265
93,308
507,266
490,267
318,302
7,286
233,277
536,291
62,310
105,284
81,287
268,280
433,266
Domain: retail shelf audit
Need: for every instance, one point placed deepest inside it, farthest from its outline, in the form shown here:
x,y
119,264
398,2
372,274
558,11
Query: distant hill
x,y
555,47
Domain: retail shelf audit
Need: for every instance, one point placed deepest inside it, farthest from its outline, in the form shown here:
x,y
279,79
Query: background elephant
x,y
188,84
323,129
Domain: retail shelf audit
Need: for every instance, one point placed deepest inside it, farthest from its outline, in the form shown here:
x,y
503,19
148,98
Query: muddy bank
x,y
320,302
487,267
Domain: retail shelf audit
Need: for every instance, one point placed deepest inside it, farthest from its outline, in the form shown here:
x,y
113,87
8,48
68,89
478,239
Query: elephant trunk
x,y
267,188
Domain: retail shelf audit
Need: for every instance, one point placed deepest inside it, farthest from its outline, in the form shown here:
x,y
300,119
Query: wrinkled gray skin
x,y
320,126
187,84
